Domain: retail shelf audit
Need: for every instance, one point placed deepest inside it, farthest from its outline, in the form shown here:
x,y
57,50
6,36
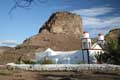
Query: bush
x,y
112,52
28,62
47,61
99,57
21,61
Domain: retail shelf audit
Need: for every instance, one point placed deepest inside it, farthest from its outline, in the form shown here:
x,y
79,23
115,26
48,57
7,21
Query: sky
x,y
98,16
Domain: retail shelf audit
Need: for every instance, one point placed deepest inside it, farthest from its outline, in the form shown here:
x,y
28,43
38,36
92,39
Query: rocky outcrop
x,y
61,32
113,34
63,22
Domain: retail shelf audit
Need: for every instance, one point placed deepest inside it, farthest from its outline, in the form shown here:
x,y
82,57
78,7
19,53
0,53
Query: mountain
x,y
63,22
3,48
61,32
113,34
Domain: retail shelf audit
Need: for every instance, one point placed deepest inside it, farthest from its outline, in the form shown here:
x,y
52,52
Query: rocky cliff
x,y
113,34
61,32
63,22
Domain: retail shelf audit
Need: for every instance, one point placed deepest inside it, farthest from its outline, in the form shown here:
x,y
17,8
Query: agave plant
x,y
99,57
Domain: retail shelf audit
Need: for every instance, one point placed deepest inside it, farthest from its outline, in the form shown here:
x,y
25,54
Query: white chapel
x,y
84,55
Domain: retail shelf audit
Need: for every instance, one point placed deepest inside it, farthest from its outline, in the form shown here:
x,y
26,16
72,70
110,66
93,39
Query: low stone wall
x,y
67,67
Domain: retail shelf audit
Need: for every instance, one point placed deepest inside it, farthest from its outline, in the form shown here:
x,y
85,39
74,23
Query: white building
x,y
85,55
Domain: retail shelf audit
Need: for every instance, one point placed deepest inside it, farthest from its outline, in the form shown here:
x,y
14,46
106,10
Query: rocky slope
x,y
113,34
63,22
4,48
61,32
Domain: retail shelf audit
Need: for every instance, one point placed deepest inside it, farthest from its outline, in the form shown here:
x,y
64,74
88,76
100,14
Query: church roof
x,y
97,46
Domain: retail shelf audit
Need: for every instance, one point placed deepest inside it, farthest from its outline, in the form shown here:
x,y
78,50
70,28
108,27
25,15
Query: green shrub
x,y
21,61
28,62
47,61
99,57
112,52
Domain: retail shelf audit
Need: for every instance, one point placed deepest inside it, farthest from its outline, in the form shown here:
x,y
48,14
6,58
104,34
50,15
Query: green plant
x,y
19,60
99,57
23,61
28,62
112,52
48,61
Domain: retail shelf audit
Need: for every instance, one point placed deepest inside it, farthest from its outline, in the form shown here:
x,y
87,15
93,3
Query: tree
x,y
112,52
25,3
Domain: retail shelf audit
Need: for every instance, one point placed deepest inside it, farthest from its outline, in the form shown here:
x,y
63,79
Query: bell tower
x,y
86,45
86,41
100,40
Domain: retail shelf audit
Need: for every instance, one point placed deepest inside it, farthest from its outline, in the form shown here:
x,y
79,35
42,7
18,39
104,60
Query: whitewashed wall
x,y
69,57
67,67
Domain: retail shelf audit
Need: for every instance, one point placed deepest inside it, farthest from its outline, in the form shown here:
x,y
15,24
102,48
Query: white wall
x,y
70,57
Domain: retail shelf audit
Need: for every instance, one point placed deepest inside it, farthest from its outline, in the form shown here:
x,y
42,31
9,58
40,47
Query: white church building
x,y
84,55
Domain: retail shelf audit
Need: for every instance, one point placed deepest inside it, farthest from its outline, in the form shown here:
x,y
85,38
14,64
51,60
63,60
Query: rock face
x,y
61,32
63,22
113,34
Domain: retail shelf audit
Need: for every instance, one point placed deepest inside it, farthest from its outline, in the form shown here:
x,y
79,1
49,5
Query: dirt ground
x,y
35,75
6,74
